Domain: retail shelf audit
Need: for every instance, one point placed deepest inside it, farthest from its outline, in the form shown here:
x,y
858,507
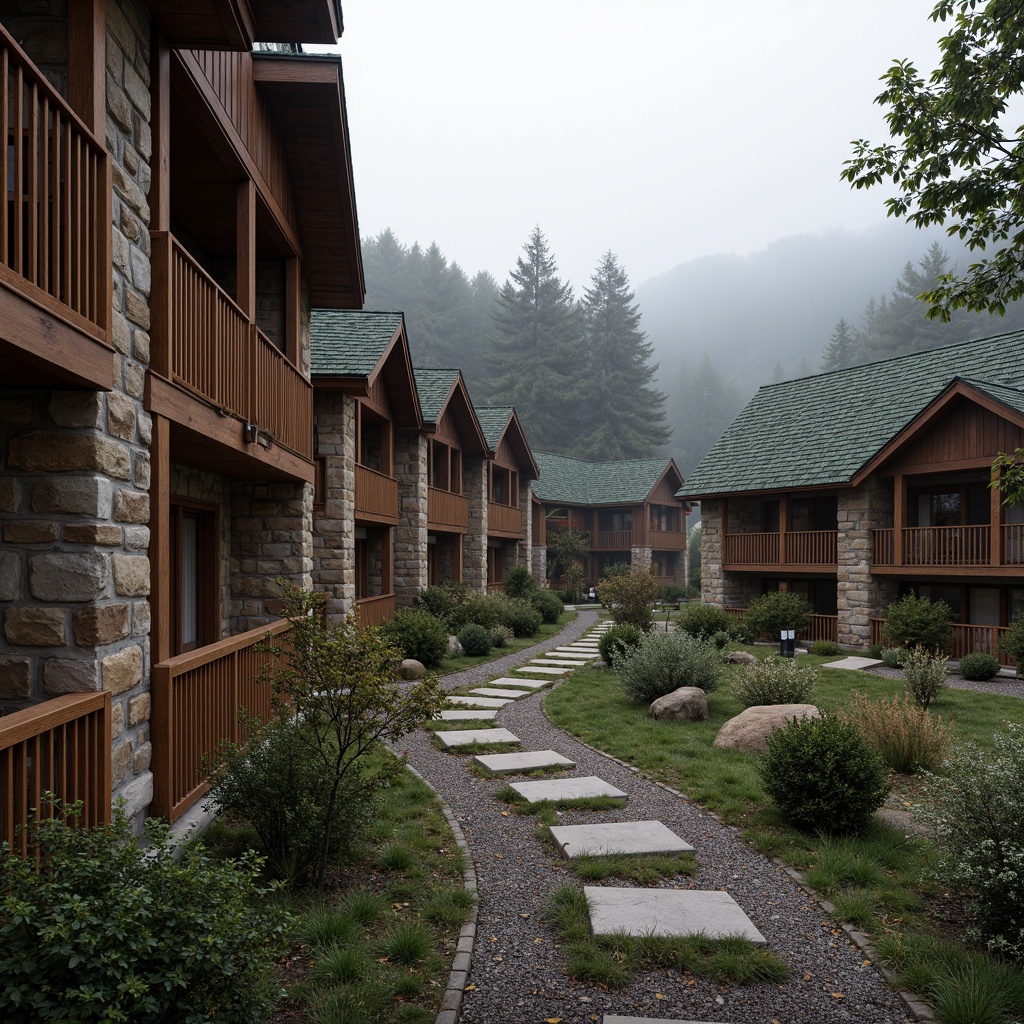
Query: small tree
x,y
917,622
774,612
566,546
574,580
630,596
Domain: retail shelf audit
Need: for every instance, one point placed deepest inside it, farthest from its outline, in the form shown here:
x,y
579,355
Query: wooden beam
x,y
783,526
899,516
996,518
87,56
160,190
160,539
293,311
245,250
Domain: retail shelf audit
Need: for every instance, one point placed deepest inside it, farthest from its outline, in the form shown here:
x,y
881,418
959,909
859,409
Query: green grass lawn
x,y
545,632
878,880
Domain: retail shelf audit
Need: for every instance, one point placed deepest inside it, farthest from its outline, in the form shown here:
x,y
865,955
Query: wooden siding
x,y
506,455
375,610
447,511
380,396
504,520
376,495
448,430
666,540
665,492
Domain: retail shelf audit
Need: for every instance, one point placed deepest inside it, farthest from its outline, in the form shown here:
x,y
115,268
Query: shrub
x,y
475,640
823,775
662,662
484,609
978,667
103,930
917,622
704,620
893,657
875,651
521,617
617,639
548,603
673,594
501,635
826,648
519,582
926,675
976,811
774,681
1011,643
415,633
442,600
907,737
771,613
721,639
630,596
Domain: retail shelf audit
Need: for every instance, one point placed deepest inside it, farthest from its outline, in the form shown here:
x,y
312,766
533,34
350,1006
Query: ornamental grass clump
x,y
925,674
907,737
774,681
663,662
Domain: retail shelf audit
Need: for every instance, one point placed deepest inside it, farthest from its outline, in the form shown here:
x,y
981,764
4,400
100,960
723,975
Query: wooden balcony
x,y
376,496
967,639
61,746
54,235
196,699
961,549
504,521
615,540
375,610
666,540
446,511
801,549
821,627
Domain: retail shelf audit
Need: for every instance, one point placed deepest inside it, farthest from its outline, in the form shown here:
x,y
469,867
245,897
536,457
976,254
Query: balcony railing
x,y
206,344
445,509
376,493
497,587
503,519
821,627
668,540
614,540
375,610
1013,544
802,547
945,546
55,211
967,639
196,699
752,548
62,747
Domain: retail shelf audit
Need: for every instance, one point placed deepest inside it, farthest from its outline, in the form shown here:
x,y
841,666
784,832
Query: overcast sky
x,y
663,130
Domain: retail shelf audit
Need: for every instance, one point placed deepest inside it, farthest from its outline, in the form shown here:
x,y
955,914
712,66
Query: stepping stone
x,y
463,716
544,670
528,684
854,663
667,912
465,737
575,649
570,655
524,762
567,789
607,838
614,1018
564,662
479,702
494,691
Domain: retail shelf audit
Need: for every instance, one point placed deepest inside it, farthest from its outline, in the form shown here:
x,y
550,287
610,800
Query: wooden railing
x,y
503,519
946,545
667,540
445,509
821,627
496,588
967,638
196,699
802,547
734,613
811,547
376,493
375,610
1013,543
882,547
752,548
54,197
205,343
614,540
62,747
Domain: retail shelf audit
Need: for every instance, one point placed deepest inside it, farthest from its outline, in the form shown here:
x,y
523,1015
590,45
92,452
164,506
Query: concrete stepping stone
x,y
528,684
665,912
614,1018
480,702
496,691
463,716
544,670
563,662
607,838
854,663
570,655
567,789
574,649
466,737
526,761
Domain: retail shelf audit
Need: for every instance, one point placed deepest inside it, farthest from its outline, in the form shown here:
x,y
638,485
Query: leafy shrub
x,y
617,639
893,657
907,737
875,651
521,617
976,811
442,600
823,775
771,613
475,640
979,667
1011,643
673,594
721,639
704,620
501,635
774,681
548,603
417,634
519,582
926,675
630,596
662,662
103,930
917,622
825,648
484,609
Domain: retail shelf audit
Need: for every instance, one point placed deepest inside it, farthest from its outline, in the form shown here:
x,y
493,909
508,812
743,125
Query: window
x,y
195,572
445,467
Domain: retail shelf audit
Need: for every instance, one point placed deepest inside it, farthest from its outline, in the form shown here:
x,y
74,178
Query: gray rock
x,y
748,731
687,704
454,647
741,658
412,669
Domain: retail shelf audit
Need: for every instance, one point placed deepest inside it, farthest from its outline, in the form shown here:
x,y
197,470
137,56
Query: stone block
x,y
121,416
605,839
100,625
122,671
526,761
30,531
495,691
136,538
131,506
15,678
121,332
69,675
29,626
66,576
77,409
87,533
121,758
10,575
44,451
478,702
141,618
139,709
138,794
136,305
82,495
134,380
568,789
143,758
10,494
131,575
15,410
116,720
468,737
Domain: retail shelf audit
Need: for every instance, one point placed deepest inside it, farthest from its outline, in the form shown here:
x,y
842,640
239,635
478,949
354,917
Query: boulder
x,y
411,669
687,704
748,731
741,658
454,647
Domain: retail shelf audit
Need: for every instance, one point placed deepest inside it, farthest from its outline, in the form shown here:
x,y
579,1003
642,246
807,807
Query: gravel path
x,y
518,967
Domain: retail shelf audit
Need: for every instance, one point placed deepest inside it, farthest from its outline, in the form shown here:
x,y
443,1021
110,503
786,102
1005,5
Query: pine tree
x,y
623,416
385,267
703,407
841,349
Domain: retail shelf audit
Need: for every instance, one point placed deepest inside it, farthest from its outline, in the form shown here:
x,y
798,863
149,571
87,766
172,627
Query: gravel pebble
x,y
518,967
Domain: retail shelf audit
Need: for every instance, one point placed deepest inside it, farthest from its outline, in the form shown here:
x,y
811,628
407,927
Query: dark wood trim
x,y
293,311
773,568
934,573
364,518
995,518
159,538
87,54
899,516
245,250
160,92
207,518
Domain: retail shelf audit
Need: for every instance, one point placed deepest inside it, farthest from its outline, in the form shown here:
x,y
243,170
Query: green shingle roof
x,y
577,482
820,430
1012,398
493,421
349,342
433,387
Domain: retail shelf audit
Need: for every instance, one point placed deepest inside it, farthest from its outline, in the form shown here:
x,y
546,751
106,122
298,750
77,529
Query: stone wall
x,y
640,558
732,590
410,564
474,545
525,548
539,564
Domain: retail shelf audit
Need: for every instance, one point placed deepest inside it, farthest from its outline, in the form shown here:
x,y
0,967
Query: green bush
x,y
721,639
630,597
548,603
662,662
417,634
484,609
442,600
893,657
774,681
475,640
1011,643
773,612
978,667
501,635
521,617
976,810
823,775
673,594
617,639
917,622
519,582
704,620
102,930
826,648
925,674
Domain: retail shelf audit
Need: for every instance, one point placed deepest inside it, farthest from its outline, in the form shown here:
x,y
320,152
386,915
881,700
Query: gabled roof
x,y
578,482
819,431
444,390
496,422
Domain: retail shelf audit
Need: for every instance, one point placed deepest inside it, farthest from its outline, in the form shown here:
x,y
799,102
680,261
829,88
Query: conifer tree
x,y
841,349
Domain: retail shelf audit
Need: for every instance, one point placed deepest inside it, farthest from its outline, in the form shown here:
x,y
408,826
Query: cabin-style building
x,y
629,509
857,486
175,205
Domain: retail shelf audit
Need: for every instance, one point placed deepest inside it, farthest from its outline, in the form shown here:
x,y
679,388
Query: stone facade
x,y
734,590
410,565
474,546
641,558
539,563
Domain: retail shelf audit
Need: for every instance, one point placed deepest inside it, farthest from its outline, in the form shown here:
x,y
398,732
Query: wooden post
x,y
783,527
996,519
245,286
899,515
87,57
160,540
160,190
293,311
